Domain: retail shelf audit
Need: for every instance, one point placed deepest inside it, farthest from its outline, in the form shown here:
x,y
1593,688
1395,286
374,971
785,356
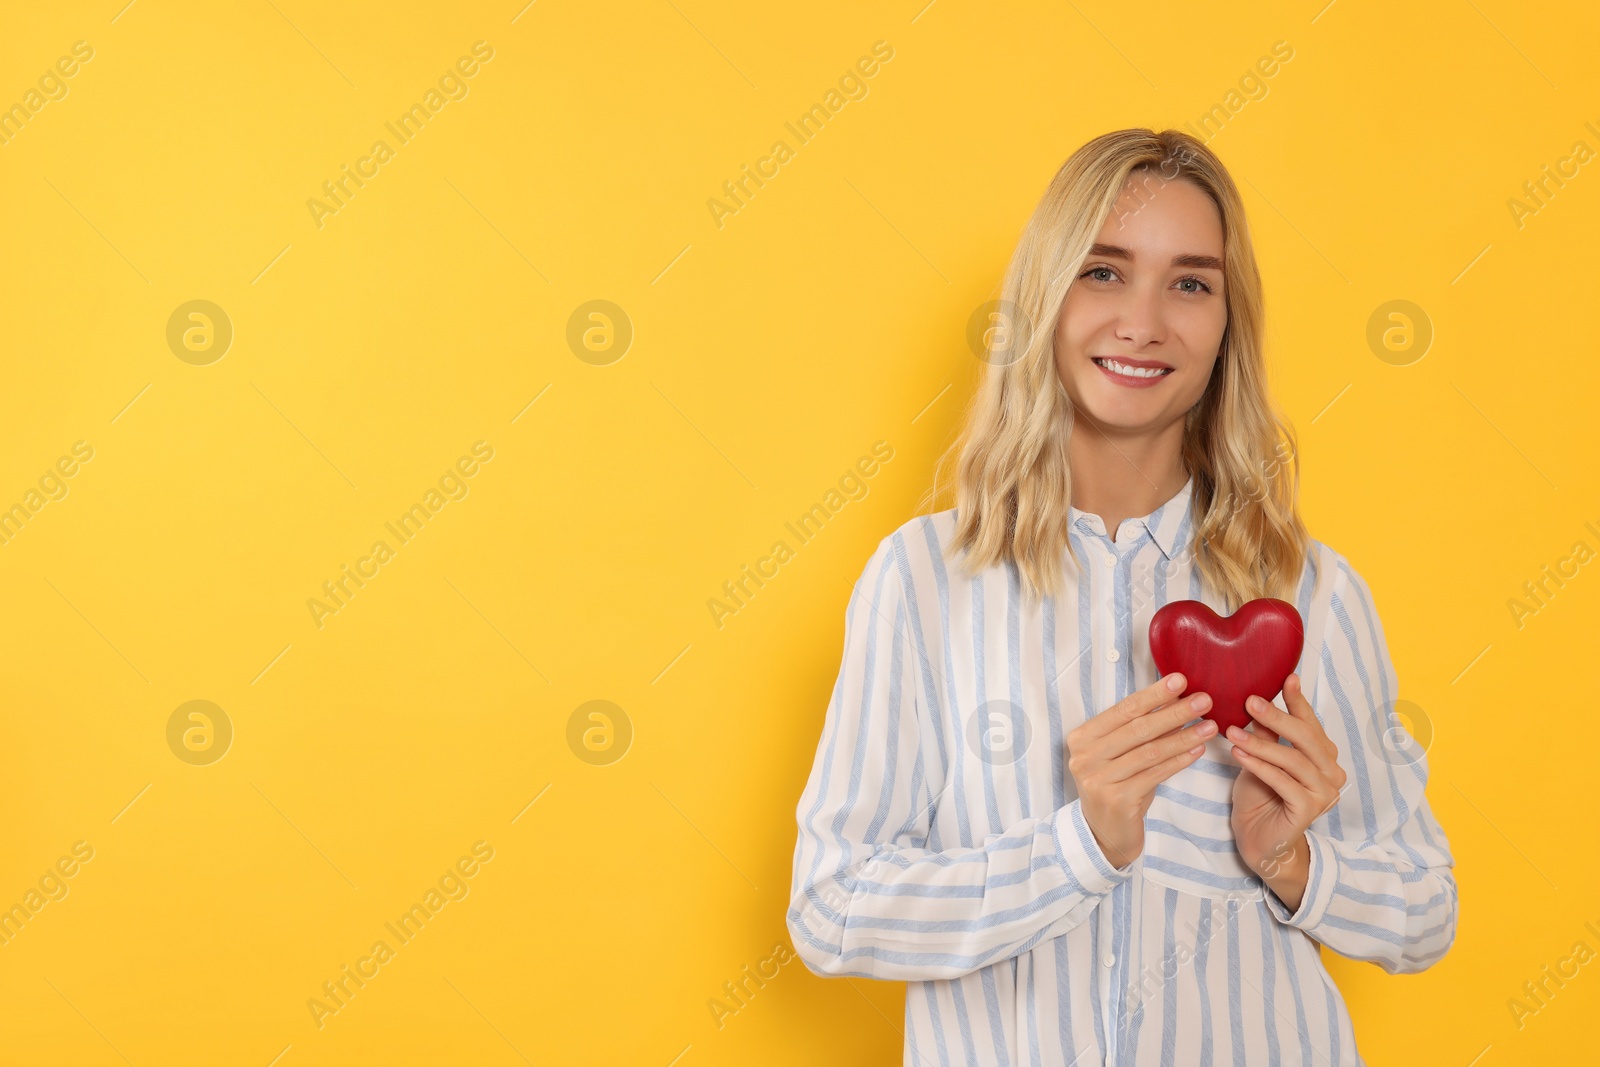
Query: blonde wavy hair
x,y
1014,487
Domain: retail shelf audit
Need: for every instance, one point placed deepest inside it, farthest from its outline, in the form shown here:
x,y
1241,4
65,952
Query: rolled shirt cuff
x,y
1322,876
1081,854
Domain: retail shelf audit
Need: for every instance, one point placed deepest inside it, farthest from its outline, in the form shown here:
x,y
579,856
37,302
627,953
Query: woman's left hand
x,y
1281,790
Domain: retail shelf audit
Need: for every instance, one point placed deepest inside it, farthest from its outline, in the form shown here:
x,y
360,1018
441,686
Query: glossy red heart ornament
x,y
1250,652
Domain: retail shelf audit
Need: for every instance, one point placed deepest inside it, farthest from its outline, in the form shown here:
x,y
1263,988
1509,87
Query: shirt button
x,y
1113,655
1108,959
1111,561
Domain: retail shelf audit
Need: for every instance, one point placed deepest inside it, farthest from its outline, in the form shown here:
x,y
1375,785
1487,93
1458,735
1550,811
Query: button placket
x,y
1118,604
1106,625
1111,973
1108,1006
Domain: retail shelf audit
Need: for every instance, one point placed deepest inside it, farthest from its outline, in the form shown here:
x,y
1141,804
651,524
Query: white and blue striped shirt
x,y
942,844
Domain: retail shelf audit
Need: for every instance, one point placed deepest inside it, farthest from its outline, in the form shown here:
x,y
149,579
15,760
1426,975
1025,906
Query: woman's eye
x,y
1107,274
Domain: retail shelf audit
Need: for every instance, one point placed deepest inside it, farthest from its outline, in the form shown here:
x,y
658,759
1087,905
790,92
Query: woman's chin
x,y
1130,415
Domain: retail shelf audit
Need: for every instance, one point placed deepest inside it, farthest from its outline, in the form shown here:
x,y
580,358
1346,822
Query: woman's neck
x,y
1117,476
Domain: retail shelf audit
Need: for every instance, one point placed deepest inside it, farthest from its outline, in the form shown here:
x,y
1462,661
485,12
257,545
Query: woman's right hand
x,y
1117,759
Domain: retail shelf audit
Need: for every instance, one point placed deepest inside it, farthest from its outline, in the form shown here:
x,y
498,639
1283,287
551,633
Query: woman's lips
x,y
1131,381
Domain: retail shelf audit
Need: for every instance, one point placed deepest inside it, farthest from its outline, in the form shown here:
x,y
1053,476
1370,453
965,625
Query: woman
x,y
1009,810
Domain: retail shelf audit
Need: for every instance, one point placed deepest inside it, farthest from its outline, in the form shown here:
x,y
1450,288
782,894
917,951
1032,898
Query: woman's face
x,y
1150,297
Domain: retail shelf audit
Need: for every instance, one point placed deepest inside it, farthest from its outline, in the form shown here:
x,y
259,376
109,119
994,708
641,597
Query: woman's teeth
x,y
1133,372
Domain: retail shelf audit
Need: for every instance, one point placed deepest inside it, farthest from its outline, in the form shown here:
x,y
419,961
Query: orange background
x,y
764,356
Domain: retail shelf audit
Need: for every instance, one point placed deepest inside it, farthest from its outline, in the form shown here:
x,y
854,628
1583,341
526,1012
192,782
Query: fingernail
x,y
1206,728
1235,733
1201,701
1175,682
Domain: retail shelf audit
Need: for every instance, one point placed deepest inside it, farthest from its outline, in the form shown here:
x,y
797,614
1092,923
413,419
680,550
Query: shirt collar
x,y
1164,523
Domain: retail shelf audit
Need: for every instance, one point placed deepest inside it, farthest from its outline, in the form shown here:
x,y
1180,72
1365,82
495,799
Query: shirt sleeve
x,y
869,898
1380,886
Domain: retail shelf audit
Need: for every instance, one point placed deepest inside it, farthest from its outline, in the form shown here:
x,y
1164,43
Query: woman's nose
x,y
1142,320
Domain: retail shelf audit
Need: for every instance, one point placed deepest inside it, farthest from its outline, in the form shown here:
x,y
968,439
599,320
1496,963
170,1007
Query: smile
x,y
1136,375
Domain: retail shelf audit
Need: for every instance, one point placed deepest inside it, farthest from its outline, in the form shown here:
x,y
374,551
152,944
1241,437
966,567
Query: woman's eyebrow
x,y
1184,260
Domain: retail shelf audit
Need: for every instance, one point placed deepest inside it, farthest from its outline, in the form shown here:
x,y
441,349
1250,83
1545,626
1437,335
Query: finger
x,y
1159,723
1294,695
1303,734
1291,791
1273,722
1162,748
1151,777
1291,760
1252,705
1159,693
1308,737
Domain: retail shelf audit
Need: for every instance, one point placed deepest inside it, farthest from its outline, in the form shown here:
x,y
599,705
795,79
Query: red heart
x,y
1250,652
